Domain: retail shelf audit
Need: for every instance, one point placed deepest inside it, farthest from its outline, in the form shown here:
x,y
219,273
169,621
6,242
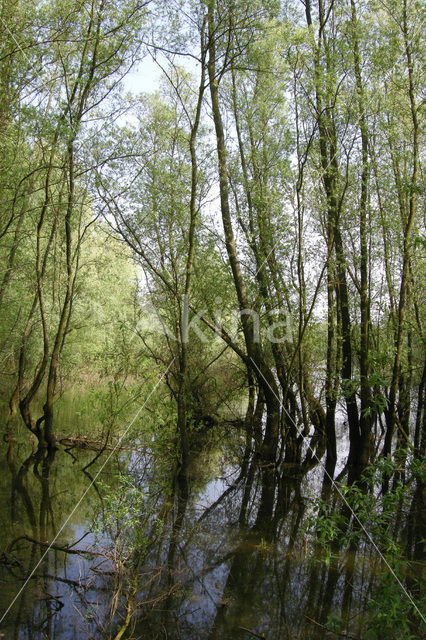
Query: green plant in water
x,y
393,611
390,614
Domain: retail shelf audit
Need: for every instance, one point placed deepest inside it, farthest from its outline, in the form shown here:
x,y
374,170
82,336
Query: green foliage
x,y
125,512
390,614
321,173
367,518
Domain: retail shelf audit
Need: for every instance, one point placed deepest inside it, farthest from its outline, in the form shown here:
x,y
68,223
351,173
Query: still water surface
x,y
181,559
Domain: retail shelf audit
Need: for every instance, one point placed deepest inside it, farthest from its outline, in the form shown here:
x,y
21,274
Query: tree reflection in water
x,y
174,554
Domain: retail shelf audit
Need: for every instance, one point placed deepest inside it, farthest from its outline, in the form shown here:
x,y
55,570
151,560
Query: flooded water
x,y
122,545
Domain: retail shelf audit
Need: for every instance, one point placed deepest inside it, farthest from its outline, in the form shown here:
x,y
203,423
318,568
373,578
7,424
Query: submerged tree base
x,y
188,557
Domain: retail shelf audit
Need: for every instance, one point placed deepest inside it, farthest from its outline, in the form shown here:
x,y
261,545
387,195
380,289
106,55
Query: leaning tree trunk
x,y
261,371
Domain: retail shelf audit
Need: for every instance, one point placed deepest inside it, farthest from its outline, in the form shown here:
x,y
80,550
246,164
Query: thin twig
x,y
256,635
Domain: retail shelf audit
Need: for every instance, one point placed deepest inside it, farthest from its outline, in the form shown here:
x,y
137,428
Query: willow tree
x,y
81,52
405,160
153,195
231,27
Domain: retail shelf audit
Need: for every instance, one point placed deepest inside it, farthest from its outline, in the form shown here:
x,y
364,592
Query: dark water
x,y
209,554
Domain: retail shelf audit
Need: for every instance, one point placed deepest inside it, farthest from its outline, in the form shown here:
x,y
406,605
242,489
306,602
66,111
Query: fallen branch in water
x,y
342,634
256,635
82,441
71,583
55,547
100,452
